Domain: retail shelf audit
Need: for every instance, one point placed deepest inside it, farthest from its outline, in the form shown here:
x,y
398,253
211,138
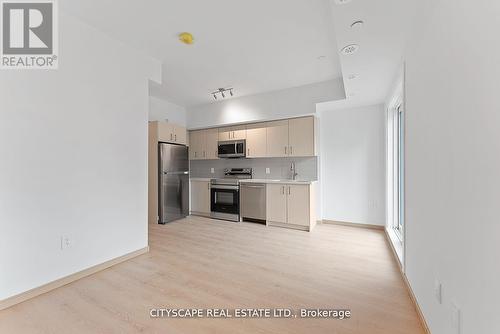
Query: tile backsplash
x,y
279,168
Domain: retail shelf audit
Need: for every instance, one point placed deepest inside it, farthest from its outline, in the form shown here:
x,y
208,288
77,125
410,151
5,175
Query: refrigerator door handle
x,y
176,173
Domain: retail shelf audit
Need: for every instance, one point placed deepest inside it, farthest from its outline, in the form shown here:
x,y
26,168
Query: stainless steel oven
x,y
231,149
225,201
225,194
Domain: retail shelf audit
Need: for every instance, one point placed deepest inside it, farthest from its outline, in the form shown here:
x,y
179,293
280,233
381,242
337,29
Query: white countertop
x,y
276,181
207,179
200,179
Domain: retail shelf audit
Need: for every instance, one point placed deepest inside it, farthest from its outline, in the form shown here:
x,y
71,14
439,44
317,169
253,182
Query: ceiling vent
x,y
350,49
342,2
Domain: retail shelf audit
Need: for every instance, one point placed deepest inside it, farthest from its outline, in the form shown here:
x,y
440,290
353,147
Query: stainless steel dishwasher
x,y
253,202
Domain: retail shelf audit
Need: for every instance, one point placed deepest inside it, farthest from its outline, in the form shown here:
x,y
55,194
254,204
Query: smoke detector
x,y
342,2
357,24
350,49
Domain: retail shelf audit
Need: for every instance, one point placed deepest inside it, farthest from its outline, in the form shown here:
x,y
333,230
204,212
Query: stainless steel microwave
x,y
231,149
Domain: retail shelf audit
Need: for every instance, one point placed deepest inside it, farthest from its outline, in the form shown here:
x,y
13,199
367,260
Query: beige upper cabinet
x,y
286,138
232,133
301,137
211,137
276,203
197,149
277,139
203,144
256,140
298,206
180,134
172,133
239,132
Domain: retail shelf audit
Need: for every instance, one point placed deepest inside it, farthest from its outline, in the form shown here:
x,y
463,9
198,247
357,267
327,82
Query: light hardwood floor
x,y
205,263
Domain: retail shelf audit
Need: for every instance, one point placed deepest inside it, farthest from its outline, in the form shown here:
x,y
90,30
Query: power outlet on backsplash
x,y
275,168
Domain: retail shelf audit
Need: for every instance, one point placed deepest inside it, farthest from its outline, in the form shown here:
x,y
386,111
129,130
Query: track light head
x,y
222,92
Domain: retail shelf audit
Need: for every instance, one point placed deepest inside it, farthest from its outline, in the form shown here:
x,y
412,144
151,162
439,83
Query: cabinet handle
x,y
248,151
203,153
170,136
175,137
285,150
195,154
288,190
291,150
282,190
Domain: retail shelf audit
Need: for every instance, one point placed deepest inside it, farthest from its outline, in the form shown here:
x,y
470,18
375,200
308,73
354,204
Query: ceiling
x,y
254,46
370,72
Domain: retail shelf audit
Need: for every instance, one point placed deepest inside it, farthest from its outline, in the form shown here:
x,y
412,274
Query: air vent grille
x,y
350,49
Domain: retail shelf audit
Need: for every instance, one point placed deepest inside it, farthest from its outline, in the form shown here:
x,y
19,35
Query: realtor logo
x,y
29,34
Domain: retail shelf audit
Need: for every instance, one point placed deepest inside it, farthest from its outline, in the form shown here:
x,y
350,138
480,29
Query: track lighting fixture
x,y
222,92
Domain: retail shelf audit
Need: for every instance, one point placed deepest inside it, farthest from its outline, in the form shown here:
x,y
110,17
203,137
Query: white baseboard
x,y
11,301
335,222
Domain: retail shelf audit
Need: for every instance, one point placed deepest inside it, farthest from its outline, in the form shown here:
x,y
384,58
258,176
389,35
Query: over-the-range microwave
x,y
232,149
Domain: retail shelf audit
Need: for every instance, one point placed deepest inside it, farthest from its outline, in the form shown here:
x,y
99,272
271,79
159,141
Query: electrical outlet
x,y
456,316
212,170
66,242
268,170
438,291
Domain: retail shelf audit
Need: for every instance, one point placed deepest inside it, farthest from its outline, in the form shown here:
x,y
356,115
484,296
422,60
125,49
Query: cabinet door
x,y
277,139
301,137
180,134
232,133
192,145
211,137
298,205
256,141
165,132
197,148
239,132
225,134
200,196
276,203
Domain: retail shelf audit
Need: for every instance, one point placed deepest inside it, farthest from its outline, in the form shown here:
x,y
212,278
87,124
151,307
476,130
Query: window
x,y
400,123
396,120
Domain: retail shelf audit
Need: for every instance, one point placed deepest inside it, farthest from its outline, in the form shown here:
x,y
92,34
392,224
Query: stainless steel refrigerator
x,y
173,182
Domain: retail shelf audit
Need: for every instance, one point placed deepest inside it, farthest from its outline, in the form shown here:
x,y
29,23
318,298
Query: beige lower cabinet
x,y
200,197
291,206
276,203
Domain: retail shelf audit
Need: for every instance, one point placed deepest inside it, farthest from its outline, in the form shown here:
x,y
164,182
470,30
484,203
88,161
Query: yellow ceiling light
x,y
186,38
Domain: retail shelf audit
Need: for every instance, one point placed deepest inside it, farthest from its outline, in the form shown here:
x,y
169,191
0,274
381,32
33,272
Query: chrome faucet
x,y
293,170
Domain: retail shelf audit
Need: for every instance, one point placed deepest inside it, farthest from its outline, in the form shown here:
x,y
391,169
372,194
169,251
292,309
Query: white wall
x,y
453,163
267,106
352,165
161,110
73,148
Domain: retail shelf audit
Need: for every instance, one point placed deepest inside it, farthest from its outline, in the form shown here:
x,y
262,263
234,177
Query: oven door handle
x,y
224,187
